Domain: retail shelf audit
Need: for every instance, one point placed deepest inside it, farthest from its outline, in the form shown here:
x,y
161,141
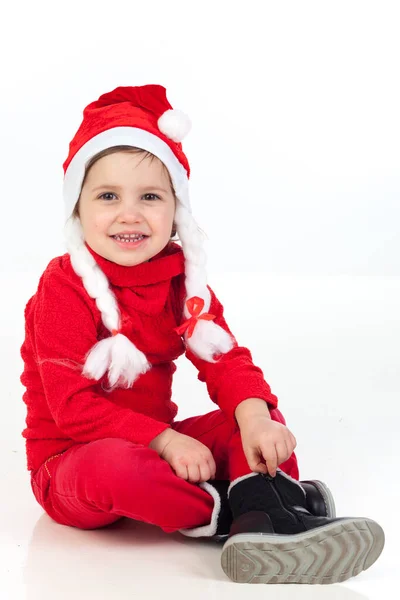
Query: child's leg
x,y
92,485
223,438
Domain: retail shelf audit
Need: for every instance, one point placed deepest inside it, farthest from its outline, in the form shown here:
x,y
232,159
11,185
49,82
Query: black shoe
x,y
274,538
318,496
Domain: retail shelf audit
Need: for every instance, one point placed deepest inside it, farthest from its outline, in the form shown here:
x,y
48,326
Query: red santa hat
x,y
142,117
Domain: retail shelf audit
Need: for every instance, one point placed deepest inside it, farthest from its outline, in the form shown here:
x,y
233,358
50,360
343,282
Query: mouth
x,y
128,236
130,241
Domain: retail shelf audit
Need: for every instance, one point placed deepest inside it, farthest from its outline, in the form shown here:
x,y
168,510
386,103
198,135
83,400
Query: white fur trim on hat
x,y
175,124
121,136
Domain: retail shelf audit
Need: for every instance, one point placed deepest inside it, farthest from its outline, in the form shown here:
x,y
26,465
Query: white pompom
x,y
127,362
98,359
175,124
120,357
208,339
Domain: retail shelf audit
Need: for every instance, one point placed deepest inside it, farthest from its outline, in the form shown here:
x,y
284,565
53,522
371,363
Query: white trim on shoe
x,y
210,529
278,471
242,478
292,480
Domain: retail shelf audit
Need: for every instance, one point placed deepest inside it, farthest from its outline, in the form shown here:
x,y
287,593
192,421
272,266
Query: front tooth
x,y
127,237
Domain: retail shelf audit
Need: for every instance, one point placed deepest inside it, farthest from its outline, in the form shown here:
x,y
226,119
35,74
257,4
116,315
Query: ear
x,y
75,212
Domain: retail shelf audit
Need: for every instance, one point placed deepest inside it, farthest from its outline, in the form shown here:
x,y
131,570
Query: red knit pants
x,y
94,484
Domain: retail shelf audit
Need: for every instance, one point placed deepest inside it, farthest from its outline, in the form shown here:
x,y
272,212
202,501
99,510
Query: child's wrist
x,y
162,439
251,407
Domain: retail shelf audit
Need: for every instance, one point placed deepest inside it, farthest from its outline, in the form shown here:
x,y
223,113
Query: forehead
x,y
125,166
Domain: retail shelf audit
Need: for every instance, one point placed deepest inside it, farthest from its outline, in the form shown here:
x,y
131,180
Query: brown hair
x,y
129,150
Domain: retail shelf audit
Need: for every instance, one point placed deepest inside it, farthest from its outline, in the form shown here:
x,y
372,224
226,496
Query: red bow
x,y
194,305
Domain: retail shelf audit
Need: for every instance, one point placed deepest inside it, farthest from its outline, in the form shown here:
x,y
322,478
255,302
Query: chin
x,y
131,261
134,257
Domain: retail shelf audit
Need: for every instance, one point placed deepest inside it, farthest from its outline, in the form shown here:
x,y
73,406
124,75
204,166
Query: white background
x,y
295,157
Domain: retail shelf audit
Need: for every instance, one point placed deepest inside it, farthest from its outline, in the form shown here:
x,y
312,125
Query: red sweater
x,y
62,323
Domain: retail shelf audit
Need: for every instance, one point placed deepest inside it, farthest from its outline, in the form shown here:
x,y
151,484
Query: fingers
x,y
275,453
213,467
205,471
201,472
255,460
181,470
197,472
282,451
190,459
194,473
261,467
290,445
271,459
289,449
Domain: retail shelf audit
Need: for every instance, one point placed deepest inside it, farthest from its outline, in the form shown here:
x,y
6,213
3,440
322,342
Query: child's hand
x,y
266,441
190,459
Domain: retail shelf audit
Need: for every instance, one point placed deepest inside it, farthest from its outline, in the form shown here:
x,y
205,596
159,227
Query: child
x,y
102,331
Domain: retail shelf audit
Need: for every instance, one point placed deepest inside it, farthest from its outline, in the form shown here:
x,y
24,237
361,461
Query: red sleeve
x,y
64,331
234,377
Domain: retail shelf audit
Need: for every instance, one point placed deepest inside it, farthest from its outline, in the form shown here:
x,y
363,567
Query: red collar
x,y
162,267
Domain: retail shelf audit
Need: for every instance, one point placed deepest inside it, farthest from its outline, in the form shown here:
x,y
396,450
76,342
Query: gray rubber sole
x,y
328,554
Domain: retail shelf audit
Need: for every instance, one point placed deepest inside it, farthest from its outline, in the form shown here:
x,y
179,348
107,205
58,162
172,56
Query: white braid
x,y
117,354
208,338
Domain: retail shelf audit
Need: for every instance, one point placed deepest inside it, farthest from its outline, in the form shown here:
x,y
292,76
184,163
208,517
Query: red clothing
x,y
62,323
95,484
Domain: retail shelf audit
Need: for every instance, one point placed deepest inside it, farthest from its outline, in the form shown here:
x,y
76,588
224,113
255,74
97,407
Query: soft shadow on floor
x,y
130,560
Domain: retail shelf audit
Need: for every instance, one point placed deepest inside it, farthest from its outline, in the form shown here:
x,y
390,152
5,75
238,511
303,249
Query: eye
x,y
107,194
154,196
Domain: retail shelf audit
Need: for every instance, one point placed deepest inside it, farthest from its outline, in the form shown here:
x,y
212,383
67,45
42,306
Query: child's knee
x,y
117,459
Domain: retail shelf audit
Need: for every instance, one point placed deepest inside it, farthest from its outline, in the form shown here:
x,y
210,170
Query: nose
x,y
130,212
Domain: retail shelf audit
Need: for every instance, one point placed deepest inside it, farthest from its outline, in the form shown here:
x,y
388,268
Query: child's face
x,y
129,200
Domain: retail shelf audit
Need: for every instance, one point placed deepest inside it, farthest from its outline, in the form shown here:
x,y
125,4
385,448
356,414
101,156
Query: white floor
x,y
329,347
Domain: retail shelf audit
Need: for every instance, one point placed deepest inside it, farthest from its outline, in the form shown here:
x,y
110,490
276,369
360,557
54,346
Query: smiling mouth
x,y
136,238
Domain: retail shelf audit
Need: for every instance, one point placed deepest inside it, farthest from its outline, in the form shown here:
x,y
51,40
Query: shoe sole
x,y
327,554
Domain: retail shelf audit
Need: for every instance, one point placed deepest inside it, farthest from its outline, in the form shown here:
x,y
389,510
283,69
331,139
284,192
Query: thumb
x,y
255,460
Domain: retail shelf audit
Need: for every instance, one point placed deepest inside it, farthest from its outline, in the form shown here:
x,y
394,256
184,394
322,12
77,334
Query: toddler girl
x,y
103,330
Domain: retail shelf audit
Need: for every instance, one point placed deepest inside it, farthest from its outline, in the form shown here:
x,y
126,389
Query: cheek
x,y
166,216
102,222
164,221
98,222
